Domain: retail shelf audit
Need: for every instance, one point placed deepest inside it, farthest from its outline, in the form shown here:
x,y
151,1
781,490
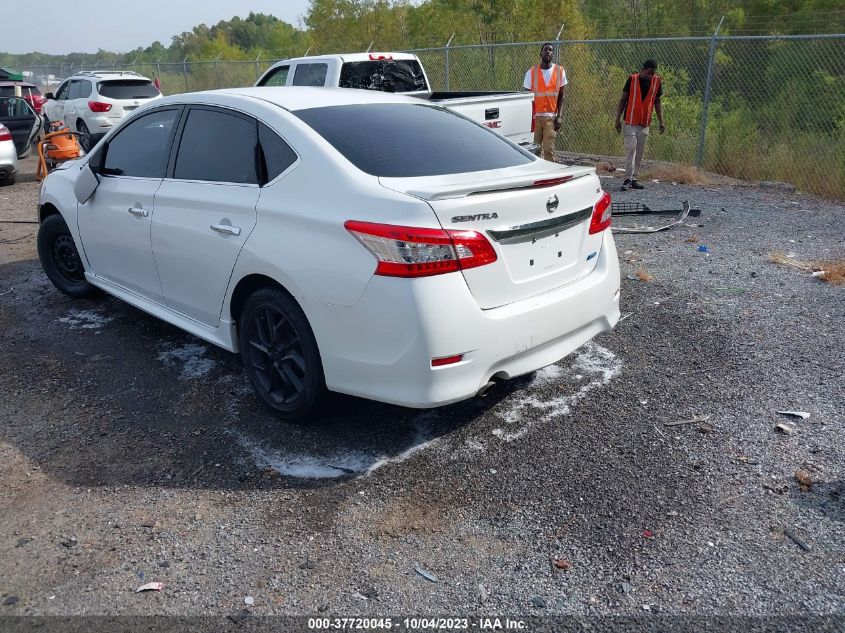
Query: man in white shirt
x,y
548,83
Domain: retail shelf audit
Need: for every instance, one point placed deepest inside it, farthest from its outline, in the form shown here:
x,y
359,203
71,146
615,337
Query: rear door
x,y
22,121
205,210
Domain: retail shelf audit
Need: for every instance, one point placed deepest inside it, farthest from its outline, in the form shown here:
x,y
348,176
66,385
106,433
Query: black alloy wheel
x,y
280,355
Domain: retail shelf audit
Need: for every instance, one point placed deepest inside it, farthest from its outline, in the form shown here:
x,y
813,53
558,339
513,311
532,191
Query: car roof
x,y
293,98
24,84
347,57
108,75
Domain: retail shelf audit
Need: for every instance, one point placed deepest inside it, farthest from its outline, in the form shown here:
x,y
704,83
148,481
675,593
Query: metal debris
x,y
784,428
427,575
150,586
685,211
792,537
796,414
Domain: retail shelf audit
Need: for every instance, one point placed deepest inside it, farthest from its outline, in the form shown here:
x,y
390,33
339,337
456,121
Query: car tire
x,y
60,259
280,354
9,180
85,138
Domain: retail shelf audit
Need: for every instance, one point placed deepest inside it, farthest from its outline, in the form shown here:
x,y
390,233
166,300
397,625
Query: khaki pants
x,y
544,136
634,137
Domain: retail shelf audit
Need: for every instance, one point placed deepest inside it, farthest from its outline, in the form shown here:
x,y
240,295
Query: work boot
x,y
636,185
626,184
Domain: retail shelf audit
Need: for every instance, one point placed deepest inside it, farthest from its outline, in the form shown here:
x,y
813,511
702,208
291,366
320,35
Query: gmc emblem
x,y
493,124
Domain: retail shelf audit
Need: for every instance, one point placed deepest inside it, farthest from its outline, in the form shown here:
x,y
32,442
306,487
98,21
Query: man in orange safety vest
x,y
640,96
548,83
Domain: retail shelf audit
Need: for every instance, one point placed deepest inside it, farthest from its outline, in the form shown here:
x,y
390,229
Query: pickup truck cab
x,y
508,113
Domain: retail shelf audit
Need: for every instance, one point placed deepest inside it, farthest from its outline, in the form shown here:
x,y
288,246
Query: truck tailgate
x,y
508,114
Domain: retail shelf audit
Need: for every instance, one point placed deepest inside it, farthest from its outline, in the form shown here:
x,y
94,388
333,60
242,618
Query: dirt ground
x,y
131,452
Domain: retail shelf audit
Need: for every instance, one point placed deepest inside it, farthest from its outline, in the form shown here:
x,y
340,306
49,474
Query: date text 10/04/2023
x,y
417,624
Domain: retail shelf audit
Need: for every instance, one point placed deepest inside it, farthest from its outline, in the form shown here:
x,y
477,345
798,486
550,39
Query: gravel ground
x,y
132,452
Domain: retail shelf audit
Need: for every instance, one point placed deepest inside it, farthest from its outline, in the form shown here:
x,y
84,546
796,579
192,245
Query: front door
x,y
114,223
206,211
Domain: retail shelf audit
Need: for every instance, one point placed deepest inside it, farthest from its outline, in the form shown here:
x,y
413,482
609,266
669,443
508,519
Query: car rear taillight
x,y
99,106
5,134
407,251
448,360
550,182
601,214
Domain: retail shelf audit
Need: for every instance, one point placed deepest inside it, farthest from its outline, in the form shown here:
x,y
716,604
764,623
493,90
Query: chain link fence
x,y
753,107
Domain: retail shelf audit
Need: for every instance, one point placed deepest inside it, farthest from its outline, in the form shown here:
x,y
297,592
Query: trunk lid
x,y
537,218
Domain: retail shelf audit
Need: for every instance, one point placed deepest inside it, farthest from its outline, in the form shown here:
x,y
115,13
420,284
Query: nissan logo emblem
x,y
551,204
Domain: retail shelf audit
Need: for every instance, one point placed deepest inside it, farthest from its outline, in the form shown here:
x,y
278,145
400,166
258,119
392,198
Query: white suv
x,y
92,102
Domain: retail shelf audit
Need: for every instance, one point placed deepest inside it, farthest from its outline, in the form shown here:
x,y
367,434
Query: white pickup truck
x,y
508,113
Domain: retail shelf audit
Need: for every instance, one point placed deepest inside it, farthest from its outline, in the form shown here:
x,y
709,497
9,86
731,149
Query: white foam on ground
x,y
596,363
191,359
337,464
85,320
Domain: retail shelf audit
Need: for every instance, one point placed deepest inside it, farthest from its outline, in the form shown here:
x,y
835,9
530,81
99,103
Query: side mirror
x,y
86,183
50,96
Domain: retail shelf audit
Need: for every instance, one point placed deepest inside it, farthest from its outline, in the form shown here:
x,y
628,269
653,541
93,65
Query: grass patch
x,y
830,271
682,174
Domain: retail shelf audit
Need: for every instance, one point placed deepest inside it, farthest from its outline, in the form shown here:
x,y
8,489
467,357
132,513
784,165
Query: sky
x,y
59,27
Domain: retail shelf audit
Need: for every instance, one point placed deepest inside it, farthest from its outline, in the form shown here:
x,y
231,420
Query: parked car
x,y
8,157
29,91
21,123
508,113
294,226
92,102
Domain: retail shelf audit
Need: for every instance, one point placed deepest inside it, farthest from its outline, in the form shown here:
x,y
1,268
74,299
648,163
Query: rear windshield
x,y
127,89
402,140
403,75
26,91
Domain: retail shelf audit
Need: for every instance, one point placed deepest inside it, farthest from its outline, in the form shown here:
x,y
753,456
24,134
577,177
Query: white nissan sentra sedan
x,y
340,240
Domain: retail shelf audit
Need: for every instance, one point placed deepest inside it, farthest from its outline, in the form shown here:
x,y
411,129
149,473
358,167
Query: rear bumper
x,y
384,348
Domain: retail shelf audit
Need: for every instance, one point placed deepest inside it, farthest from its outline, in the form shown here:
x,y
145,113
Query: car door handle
x,y
227,229
138,212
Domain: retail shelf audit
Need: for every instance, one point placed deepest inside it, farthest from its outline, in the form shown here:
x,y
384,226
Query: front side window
x,y
277,77
142,147
403,140
74,91
310,74
217,146
62,93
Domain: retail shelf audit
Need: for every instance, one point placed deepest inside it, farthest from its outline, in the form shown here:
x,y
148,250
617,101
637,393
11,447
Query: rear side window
x,y
7,91
277,77
401,75
278,155
401,140
142,147
310,74
127,89
218,147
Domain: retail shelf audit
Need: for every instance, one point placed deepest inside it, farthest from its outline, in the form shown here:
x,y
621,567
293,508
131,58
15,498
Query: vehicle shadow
x,y
102,394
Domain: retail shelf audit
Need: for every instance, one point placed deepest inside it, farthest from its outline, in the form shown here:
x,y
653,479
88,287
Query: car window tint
x,y
7,91
73,91
310,74
127,89
277,77
278,155
402,140
142,147
83,90
62,93
217,146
